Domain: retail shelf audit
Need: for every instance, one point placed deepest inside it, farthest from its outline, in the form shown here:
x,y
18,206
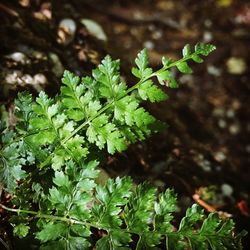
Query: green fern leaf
x,y
193,215
116,239
184,68
23,111
111,198
149,91
11,162
52,231
138,211
164,210
63,134
166,78
186,51
21,230
143,71
101,132
79,101
107,75
149,240
204,49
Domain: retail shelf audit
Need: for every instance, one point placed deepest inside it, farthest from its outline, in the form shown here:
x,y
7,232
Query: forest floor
x,y
205,149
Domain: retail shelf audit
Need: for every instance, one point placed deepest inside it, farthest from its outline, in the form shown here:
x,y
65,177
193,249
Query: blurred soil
x,y
206,148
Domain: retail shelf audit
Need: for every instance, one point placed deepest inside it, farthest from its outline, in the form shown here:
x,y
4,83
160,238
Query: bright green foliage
x,y
116,239
139,209
14,155
121,213
143,71
149,91
110,199
165,76
49,163
107,76
21,230
164,209
99,123
23,105
77,99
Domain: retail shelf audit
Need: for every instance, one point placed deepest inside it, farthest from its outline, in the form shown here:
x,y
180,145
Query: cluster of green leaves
x,y
76,206
49,162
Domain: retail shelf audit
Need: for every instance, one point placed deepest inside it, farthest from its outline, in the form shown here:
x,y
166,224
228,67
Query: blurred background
x,y
206,148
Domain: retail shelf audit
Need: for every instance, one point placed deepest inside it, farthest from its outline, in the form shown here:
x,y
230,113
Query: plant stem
x,y
47,216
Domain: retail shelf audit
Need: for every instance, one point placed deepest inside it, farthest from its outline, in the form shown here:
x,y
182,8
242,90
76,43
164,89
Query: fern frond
x,y
60,139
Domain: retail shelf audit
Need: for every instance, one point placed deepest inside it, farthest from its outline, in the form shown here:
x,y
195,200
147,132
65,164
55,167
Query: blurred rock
x,y
39,55
219,156
208,23
248,149
44,13
212,70
66,31
11,77
148,44
27,79
24,3
165,5
94,29
207,36
203,163
57,67
40,79
18,57
230,113
156,35
227,190
236,65
219,112
222,123
234,129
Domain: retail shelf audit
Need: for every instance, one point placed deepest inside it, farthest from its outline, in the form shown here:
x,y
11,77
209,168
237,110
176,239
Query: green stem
x,y
58,218
125,230
47,216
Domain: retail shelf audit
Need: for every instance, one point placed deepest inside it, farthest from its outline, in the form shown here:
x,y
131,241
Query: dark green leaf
x,y
11,162
104,244
193,215
23,110
111,198
149,241
164,210
52,231
78,243
21,230
139,210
